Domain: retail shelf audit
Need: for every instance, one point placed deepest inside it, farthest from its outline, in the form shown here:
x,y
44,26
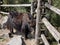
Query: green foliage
x,y
20,9
55,18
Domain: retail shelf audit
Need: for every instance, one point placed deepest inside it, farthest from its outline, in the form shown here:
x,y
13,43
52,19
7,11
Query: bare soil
x,y
5,40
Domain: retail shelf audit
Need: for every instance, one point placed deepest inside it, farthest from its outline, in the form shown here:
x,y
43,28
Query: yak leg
x,y
11,31
27,31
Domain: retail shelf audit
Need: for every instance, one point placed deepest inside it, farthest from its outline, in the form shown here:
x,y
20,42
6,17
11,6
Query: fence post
x,y
38,19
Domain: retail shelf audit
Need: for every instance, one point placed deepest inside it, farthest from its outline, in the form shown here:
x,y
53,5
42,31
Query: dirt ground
x,y
6,39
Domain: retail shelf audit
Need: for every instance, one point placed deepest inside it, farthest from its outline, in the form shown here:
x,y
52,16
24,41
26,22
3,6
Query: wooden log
x,y
44,39
15,5
51,29
38,19
56,10
4,13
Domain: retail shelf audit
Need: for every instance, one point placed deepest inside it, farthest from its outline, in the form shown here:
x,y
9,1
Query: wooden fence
x,y
50,28
44,39
17,5
4,12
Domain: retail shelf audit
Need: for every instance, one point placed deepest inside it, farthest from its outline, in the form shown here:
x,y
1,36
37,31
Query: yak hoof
x,y
13,33
10,35
26,37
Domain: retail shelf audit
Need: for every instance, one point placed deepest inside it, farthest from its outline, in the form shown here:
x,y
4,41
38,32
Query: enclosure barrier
x,y
18,5
52,30
44,39
15,5
38,19
56,10
4,12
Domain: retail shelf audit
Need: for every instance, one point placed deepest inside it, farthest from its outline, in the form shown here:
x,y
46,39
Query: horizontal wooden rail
x,y
4,13
15,5
56,10
51,29
44,39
